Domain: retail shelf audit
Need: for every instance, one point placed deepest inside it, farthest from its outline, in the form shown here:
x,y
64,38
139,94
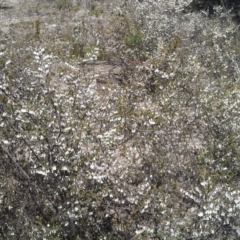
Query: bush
x,y
155,155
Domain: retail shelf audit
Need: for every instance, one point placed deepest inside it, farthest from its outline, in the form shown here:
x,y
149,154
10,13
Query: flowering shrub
x,y
150,151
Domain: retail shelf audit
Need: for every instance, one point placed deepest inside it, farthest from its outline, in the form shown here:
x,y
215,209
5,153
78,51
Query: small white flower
x,y
8,62
204,184
172,75
54,168
32,112
165,76
151,122
64,168
41,173
139,231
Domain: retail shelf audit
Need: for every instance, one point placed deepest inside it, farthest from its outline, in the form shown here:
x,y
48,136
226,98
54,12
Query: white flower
x,y
64,168
204,184
54,168
139,231
151,122
8,62
32,112
165,76
172,75
41,173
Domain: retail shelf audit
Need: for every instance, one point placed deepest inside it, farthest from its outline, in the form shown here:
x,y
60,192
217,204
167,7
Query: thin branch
x,y
14,161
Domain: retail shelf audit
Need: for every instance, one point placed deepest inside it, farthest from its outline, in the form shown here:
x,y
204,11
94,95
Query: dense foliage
x,y
121,123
